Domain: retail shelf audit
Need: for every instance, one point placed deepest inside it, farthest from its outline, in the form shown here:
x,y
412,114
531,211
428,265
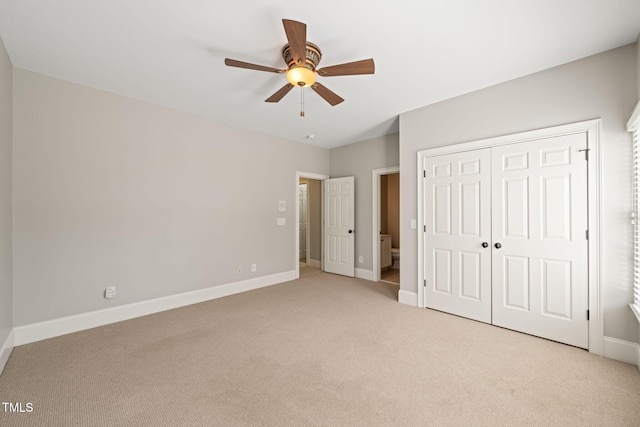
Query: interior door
x,y
339,217
540,247
457,234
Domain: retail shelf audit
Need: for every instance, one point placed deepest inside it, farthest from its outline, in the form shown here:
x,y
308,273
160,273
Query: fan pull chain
x,y
301,101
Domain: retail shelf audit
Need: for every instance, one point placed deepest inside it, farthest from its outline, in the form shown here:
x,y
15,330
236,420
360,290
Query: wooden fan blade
x,y
240,64
297,37
280,93
327,94
365,66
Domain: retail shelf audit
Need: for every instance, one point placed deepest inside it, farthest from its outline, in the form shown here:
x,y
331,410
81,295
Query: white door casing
x,y
561,207
457,223
296,237
376,174
339,226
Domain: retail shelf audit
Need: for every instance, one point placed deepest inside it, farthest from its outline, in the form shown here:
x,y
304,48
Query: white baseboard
x,y
5,350
66,325
314,263
364,274
624,351
408,298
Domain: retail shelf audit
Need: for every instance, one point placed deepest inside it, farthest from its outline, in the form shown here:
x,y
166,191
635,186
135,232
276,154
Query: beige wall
x,y
359,160
6,286
638,68
384,220
111,191
393,208
603,86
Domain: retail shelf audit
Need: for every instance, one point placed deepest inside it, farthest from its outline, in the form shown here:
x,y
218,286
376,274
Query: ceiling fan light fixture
x,y
301,76
302,58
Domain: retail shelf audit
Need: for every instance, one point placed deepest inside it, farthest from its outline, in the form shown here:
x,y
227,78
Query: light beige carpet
x,y
323,350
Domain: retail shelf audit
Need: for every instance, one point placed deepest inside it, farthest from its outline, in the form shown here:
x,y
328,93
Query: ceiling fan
x,y
302,58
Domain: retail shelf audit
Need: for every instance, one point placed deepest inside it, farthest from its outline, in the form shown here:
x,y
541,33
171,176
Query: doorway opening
x,y
303,221
386,224
308,221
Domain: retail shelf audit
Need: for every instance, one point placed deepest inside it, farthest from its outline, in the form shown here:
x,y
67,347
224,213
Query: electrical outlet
x,y
239,269
360,259
110,292
253,268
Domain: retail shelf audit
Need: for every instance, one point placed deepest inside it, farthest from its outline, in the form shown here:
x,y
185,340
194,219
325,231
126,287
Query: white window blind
x,y
634,126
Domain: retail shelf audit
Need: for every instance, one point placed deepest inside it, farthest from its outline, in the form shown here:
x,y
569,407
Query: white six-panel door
x,y
539,194
339,206
457,223
528,203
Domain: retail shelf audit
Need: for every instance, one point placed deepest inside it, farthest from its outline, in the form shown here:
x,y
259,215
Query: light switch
x,y
281,221
282,206
413,224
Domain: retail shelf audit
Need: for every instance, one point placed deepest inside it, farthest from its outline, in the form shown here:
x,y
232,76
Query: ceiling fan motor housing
x,y
312,58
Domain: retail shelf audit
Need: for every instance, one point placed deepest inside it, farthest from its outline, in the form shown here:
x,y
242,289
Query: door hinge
x,y
587,314
425,283
586,153
425,228
586,233
424,174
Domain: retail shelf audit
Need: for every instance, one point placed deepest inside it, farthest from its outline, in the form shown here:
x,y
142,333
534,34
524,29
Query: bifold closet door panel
x,y
540,248
457,222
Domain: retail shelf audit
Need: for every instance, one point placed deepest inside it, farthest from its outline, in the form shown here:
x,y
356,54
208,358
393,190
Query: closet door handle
x,y
498,245
485,245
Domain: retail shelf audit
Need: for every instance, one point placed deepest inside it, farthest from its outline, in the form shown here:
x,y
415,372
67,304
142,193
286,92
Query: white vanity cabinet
x,y
385,251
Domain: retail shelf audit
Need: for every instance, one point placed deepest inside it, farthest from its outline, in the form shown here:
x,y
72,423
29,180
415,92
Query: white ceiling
x,y
172,52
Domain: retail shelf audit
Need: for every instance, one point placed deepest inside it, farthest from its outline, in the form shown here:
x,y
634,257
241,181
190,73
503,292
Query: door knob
x,y
498,245
350,231
485,245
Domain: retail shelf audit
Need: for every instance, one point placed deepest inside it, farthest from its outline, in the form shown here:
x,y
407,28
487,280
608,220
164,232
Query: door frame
x,y
593,129
318,177
375,217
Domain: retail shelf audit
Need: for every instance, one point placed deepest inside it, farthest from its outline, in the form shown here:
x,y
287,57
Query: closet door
x,y
539,251
457,225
